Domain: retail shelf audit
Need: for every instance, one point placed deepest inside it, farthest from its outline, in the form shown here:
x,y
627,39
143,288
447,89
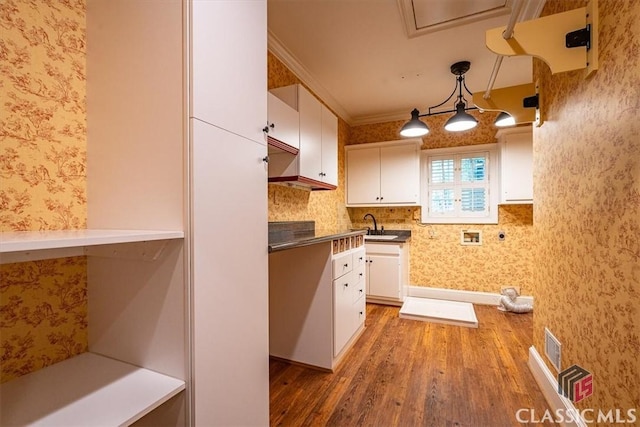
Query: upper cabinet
x,y
226,43
284,124
516,165
386,173
316,164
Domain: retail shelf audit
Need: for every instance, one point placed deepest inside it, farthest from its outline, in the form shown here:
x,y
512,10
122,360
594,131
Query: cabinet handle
x,y
265,159
266,128
346,265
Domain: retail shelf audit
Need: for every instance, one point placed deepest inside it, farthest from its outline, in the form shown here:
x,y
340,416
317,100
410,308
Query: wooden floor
x,y
410,373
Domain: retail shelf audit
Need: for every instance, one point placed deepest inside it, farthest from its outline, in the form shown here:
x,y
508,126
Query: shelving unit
x,y
83,390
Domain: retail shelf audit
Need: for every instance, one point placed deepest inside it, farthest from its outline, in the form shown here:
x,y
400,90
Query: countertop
x,y
295,234
320,236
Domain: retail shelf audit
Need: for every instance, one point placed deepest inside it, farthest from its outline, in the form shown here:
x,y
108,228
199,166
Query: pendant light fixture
x,y
459,121
504,120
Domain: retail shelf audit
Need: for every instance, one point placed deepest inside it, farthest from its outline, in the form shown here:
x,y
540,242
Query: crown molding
x,y
285,56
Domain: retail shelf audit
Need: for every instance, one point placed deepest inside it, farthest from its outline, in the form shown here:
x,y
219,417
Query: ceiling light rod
x,y
508,33
459,121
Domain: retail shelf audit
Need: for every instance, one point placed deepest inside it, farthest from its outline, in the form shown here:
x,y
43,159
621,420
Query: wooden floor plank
x,y
404,372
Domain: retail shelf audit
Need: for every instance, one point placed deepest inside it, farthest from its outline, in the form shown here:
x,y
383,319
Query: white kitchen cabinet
x,y
316,164
284,123
348,293
165,316
387,274
516,165
230,288
228,65
386,174
316,302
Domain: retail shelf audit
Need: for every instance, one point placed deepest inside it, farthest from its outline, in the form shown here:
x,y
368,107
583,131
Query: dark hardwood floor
x,y
410,373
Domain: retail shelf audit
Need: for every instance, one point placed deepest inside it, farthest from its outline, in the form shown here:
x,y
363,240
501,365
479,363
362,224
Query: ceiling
x,y
373,61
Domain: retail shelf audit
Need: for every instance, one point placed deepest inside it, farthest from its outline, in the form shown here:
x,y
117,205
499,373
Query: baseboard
x,y
483,298
549,387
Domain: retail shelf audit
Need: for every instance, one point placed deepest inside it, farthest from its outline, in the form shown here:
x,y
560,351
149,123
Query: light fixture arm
x,y
459,69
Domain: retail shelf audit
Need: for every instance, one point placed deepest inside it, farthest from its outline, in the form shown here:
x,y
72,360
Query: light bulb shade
x,y
504,119
414,127
461,120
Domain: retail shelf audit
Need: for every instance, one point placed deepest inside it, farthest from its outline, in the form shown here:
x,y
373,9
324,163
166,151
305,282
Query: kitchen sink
x,y
380,237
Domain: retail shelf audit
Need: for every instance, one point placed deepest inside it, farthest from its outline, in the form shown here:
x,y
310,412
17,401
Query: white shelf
x,y
85,390
19,241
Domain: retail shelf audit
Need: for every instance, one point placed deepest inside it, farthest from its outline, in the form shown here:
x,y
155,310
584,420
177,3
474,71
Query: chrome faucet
x,y
375,224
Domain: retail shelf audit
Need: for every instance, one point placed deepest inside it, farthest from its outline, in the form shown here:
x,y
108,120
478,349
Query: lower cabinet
x,y
387,272
348,301
316,302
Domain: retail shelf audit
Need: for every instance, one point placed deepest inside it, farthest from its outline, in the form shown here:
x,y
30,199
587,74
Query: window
x,y
457,186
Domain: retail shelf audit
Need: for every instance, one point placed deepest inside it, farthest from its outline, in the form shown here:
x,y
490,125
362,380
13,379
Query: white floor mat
x,y
439,311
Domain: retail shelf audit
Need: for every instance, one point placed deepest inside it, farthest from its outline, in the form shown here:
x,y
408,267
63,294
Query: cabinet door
x,y
400,174
517,169
284,121
343,315
310,156
363,176
384,276
329,147
230,281
229,47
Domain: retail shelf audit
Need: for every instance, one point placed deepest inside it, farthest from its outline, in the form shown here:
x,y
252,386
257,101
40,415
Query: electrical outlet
x,y
517,288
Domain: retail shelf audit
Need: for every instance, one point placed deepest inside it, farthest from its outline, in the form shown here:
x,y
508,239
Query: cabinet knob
x,y
266,128
381,198
265,159
377,198
346,265
360,276
346,285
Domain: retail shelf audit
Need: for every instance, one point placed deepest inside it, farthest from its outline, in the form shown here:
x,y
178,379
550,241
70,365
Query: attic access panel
x,y
425,16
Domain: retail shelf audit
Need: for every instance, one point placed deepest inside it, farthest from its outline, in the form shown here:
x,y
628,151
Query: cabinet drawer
x,y
360,312
358,258
342,264
359,282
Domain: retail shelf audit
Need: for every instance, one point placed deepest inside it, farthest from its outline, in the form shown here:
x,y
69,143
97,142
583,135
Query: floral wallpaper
x,y
587,211
43,314
43,178
438,260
